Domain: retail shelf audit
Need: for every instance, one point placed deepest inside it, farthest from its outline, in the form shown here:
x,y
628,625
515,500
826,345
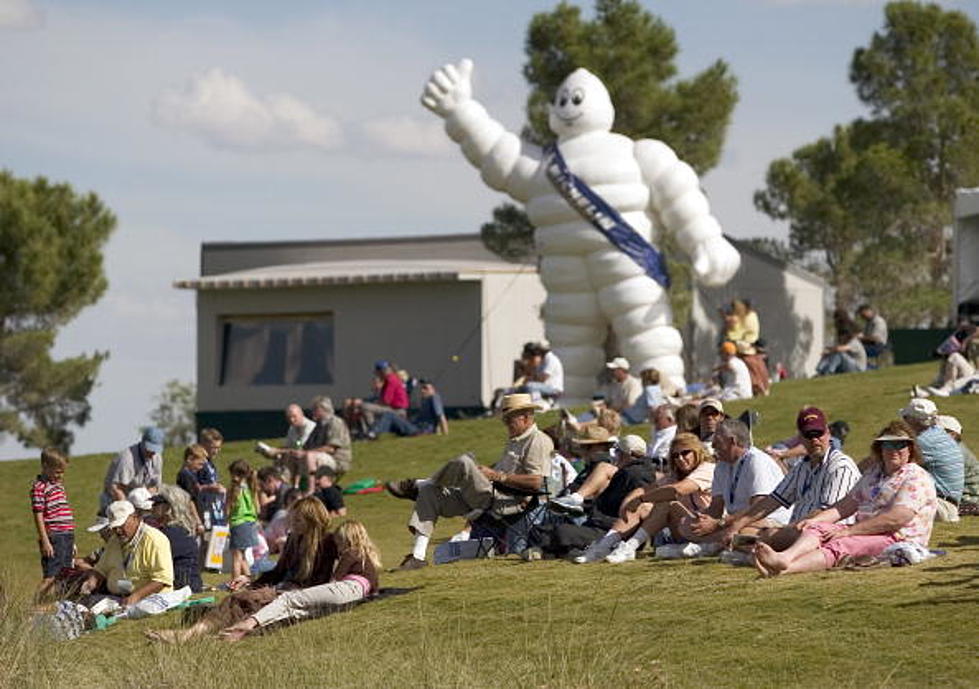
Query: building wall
x,y
224,257
420,326
790,307
511,307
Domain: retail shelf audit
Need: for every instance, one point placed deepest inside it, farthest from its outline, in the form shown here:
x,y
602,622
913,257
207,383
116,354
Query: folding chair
x,y
511,531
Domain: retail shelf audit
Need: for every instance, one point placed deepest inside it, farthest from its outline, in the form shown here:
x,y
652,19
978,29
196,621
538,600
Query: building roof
x,y
352,273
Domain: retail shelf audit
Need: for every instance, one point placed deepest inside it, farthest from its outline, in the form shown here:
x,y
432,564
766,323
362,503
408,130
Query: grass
x,y
503,622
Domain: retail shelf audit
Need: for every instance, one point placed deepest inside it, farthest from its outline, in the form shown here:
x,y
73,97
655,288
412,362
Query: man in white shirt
x,y
624,388
662,433
821,479
299,429
733,374
548,377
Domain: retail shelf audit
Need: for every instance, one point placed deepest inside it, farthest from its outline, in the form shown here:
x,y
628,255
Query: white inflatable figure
x,y
590,283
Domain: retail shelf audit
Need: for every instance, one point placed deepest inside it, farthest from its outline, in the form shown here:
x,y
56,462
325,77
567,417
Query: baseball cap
x,y
141,498
99,524
618,362
919,407
713,403
811,419
118,512
153,440
633,445
381,364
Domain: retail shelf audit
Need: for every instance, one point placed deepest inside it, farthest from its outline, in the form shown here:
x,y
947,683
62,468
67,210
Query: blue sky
x,y
261,121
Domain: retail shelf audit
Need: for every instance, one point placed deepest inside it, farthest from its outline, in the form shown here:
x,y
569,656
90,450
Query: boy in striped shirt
x,y
53,518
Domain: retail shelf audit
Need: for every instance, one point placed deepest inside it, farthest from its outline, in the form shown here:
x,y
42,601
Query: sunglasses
x,y
812,435
680,453
894,445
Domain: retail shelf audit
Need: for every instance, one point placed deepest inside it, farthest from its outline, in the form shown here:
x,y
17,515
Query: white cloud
x,y
220,108
408,135
20,14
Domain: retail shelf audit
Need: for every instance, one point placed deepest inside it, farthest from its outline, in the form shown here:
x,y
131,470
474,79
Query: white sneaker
x,y
567,505
593,553
624,552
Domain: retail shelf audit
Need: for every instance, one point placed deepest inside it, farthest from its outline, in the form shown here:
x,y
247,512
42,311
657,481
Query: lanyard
x,y
737,477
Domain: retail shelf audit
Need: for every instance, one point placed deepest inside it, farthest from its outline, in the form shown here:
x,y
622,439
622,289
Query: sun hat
x,y
118,512
618,362
950,423
141,498
899,435
152,440
593,434
811,419
633,445
519,401
99,524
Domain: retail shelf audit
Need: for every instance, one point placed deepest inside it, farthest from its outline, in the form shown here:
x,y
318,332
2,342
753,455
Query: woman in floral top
x,y
894,501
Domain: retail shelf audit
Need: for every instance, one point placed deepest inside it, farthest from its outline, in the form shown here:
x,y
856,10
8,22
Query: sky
x,y
256,121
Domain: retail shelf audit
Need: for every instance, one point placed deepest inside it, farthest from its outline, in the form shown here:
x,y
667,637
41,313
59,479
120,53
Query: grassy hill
x,y
503,622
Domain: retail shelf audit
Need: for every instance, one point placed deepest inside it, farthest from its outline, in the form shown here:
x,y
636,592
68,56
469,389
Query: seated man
x,y
545,377
137,465
874,335
462,487
821,479
328,444
940,456
594,445
391,394
847,356
662,433
136,562
709,416
743,476
970,486
955,377
733,376
624,388
272,493
430,417
296,435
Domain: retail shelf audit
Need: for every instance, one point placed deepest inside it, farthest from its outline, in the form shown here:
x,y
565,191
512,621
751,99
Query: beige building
x,y
965,255
284,321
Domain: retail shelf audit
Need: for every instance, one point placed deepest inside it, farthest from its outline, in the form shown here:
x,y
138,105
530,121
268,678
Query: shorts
x,y
244,536
868,545
63,543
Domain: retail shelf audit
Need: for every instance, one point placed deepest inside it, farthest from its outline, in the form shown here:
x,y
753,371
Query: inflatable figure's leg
x,y
639,310
573,324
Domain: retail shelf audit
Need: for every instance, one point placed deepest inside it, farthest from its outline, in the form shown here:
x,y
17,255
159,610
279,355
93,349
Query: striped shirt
x,y
809,487
50,500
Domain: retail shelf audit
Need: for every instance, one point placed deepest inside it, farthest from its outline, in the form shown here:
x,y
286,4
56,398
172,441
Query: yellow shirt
x,y
144,559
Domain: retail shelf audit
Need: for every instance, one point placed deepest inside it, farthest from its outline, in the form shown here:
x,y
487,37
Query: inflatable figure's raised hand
x,y
449,87
715,261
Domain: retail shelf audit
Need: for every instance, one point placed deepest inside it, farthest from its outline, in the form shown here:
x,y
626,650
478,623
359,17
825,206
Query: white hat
x,y
950,423
633,445
618,362
141,498
118,512
919,407
99,524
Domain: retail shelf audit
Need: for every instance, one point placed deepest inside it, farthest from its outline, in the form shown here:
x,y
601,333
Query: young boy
x,y
53,518
329,494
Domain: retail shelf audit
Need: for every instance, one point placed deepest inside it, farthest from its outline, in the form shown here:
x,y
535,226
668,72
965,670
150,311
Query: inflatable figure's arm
x,y
506,163
676,200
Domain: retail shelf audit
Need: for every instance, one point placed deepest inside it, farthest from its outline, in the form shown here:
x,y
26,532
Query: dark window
x,y
274,350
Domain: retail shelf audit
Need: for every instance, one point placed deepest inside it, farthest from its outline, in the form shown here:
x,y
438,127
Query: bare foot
x,y
167,636
762,570
233,634
768,560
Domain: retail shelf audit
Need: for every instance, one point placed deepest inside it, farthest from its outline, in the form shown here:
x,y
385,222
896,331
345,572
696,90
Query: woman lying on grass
x,y
894,501
307,560
682,493
355,578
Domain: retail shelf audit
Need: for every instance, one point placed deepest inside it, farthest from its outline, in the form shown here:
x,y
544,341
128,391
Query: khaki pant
x,y
454,490
301,604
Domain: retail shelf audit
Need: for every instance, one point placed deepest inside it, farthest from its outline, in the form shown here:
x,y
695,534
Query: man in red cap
x,y
823,477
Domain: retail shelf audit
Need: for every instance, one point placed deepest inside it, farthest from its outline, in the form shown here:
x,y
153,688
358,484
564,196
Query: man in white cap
x,y
940,455
462,487
137,465
624,388
136,562
969,504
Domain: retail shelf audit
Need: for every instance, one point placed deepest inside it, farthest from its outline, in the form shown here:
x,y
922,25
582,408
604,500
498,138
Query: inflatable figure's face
x,y
581,105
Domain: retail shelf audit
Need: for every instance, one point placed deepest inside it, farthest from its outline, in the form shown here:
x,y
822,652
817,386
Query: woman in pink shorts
x,y
894,501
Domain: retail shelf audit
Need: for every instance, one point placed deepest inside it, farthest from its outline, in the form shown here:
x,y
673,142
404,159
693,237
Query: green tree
x,y
633,53
174,412
871,203
51,243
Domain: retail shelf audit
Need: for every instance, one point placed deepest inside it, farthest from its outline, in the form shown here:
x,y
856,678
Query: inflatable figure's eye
x,y
577,96
563,101
561,98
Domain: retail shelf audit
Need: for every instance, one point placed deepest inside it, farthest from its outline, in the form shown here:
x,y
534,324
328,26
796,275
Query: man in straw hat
x,y
462,487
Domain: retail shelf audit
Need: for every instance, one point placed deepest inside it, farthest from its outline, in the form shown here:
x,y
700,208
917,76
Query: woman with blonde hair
x,y
683,493
355,579
307,560
894,501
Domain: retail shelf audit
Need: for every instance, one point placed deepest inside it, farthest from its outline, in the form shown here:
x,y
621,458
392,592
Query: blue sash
x,y
604,218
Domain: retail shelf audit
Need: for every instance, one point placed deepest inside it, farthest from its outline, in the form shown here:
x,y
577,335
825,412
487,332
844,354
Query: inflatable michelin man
x,y
597,200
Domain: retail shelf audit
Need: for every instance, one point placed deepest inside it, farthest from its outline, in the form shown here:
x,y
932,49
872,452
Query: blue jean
x,y
389,422
837,362
538,389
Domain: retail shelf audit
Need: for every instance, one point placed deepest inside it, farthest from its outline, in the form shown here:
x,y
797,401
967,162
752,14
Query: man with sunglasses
x,y
821,479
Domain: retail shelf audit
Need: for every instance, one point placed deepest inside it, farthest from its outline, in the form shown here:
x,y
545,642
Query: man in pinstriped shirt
x,y
823,477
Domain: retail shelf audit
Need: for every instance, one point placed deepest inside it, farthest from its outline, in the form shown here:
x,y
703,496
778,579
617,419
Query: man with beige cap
x,y
624,388
462,487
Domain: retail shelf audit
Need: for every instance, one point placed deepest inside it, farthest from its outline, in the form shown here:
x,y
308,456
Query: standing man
x,y
137,465
624,388
818,481
462,487
328,444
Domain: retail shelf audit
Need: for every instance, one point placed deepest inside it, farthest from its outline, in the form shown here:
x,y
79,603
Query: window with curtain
x,y
277,350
